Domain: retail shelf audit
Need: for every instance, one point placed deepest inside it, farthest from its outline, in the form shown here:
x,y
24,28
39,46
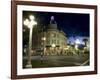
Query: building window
x,y
53,41
53,35
57,35
57,41
48,41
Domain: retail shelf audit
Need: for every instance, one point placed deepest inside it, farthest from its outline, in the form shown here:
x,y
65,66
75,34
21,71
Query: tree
x,y
85,41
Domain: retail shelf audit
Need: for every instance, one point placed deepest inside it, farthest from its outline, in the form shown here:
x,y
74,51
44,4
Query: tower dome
x,y
53,24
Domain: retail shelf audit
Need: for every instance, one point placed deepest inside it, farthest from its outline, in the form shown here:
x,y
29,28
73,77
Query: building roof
x,y
52,26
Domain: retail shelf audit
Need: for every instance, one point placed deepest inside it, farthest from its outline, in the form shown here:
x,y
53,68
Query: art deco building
x,y
49,40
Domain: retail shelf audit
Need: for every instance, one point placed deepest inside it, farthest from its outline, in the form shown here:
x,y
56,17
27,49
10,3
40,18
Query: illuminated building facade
x,y
49,40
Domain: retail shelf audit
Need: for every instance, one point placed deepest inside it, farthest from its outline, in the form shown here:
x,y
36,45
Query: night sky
x,y
73,24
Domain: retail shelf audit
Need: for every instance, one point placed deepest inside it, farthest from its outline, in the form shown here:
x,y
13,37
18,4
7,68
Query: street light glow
x,y
30,23
44,38
26,22
77,41
53,45
76,47
31,17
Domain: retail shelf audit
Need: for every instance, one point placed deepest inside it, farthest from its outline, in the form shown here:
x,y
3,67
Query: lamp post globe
x,y
26,22
31,17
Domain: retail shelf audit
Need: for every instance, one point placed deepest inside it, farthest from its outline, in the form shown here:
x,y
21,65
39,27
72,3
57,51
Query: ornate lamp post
x,y
30,24
44,39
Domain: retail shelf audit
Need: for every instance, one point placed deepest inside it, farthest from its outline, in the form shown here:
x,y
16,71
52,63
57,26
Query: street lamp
x,y
30,24
44,39
42,53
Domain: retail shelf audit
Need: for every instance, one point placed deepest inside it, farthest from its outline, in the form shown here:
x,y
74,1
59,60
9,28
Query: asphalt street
x,y
58,61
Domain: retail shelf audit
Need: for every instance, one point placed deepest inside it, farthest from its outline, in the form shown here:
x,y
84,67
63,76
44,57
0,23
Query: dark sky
x,y
73,24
